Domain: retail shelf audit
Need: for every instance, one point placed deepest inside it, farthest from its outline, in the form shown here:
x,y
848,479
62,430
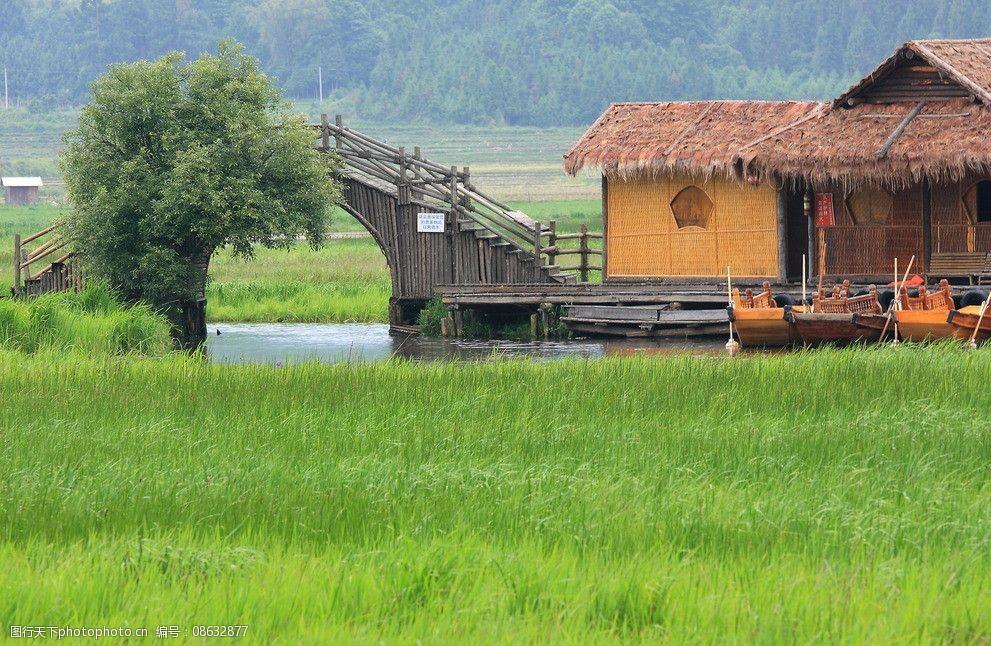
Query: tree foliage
x,y
172,159
502,61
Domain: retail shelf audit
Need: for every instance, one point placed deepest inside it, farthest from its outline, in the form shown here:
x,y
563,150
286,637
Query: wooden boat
x,y
840,318
759,321
965,320
926,316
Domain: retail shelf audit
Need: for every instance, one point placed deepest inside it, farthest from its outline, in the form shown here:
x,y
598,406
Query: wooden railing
x,y
584,251
415,179
961,238
869,250
55,266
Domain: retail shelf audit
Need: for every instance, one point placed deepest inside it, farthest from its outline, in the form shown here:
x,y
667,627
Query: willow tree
x,y
173,159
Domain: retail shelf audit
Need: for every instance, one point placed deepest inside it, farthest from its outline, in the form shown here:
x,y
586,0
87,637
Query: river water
x,y
277,343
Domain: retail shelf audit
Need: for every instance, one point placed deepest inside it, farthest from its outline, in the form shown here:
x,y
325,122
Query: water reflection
x,y
336,342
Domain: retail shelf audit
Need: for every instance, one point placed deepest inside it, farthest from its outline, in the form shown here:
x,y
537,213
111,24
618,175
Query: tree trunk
x,y
189,320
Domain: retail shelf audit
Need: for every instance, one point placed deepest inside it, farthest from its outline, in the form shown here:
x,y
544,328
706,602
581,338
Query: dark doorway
x,y
984,201
798,234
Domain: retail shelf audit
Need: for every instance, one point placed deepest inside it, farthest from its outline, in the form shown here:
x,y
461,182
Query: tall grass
x,y
344,281
91,322
814,497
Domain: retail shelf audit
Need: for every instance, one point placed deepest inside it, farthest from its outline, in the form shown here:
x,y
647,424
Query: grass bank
x,y
827,497
91,322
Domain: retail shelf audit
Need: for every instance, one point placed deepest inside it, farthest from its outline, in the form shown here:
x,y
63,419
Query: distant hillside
x,y
534,62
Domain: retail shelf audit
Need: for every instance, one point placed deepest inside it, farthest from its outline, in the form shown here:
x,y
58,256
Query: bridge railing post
x,y
583,247
455,201
17,262
552,242
417,195
465,200
538,264
402,188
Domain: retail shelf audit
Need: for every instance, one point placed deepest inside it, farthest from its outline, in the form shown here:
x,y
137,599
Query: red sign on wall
x,y
825,216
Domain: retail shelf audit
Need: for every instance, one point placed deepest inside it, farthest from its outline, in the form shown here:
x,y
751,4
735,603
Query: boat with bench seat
x,y
759,320
926,317
840,318
967,318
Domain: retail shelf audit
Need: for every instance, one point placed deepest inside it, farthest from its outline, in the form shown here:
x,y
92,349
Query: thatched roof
x,y
888,136
964,62
947,140
708,137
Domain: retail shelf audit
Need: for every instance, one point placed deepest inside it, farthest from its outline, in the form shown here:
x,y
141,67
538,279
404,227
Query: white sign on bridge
x,y
430,223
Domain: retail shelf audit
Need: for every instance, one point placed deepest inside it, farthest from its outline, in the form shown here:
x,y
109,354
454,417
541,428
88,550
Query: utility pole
x,y
6,96
320,82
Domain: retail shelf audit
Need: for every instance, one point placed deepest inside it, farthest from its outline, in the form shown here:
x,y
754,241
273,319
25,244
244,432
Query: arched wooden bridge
x,y
475,239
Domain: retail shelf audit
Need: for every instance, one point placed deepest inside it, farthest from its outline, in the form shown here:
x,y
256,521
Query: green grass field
x,y
812,497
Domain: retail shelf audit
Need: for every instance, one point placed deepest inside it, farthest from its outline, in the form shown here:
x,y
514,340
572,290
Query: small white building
x,y
21,190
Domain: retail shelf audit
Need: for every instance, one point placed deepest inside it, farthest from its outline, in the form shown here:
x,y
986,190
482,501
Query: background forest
x,y
513,62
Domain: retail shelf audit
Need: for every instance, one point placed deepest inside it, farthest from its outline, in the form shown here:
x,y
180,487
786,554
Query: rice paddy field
x,y
836,496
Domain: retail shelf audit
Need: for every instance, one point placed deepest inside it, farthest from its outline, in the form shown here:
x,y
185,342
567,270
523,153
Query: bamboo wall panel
x,y
645,242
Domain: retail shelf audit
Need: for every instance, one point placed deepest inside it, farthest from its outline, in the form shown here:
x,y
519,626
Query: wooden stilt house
x,y
898,166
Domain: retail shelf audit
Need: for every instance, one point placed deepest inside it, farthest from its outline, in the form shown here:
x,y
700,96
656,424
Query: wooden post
x,y
417,195
454,196
583,247
402,189
809,212
537,262
605,226
782,221
533,326
455,239
465,200
821,252
325,131
339,122
927,224
17,262
551,241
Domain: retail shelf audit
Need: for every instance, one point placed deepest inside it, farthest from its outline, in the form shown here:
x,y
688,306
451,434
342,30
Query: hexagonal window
x,y
870,206
692,208
977,202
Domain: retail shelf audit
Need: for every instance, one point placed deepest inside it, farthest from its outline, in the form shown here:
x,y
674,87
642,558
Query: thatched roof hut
x,y
905,150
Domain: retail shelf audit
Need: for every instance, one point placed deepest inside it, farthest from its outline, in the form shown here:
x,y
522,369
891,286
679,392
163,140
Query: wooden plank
x,y
883,152
927,208
605,228
781,213
613,312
